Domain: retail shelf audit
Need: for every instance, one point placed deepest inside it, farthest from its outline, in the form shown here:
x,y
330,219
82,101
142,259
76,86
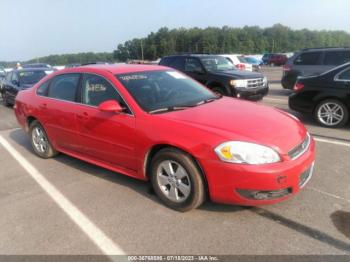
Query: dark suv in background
x,y
220,75
313,61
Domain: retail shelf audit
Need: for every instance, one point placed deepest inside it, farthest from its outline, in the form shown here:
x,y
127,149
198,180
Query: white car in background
x,y
239,61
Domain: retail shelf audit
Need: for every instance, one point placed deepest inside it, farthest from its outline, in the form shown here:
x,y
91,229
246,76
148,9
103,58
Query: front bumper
x,y
252,94
271,183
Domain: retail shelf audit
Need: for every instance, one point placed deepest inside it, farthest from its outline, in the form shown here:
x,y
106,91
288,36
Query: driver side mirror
x,y
15,82
110,106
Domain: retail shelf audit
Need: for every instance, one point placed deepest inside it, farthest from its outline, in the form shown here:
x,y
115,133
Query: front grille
x,y
301,148
306,175
255,83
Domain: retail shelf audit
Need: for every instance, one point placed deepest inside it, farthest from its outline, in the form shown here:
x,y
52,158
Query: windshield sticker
x,y
133,77
176,75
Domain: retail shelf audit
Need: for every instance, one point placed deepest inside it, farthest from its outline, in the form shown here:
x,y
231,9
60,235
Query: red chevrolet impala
x,y
154,123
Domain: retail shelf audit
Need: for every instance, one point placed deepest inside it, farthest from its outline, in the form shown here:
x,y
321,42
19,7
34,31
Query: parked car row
x,y
220,75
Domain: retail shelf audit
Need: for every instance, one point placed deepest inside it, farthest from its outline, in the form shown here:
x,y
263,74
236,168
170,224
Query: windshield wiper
x,y
208,100
168,109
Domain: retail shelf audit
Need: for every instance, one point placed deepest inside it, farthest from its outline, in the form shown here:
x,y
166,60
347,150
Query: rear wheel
x,y
176,180
40,142
331,113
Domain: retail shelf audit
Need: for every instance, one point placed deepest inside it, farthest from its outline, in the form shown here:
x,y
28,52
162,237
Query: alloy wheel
x,y
173,181
39,140
330,114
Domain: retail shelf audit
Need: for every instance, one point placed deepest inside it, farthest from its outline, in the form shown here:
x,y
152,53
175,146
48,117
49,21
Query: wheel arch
x,y
156,148
214,83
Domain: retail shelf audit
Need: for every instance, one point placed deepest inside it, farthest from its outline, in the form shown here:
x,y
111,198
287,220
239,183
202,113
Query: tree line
x,y
245,40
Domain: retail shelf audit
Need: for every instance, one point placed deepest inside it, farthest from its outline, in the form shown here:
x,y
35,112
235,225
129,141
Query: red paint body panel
x,y
121,142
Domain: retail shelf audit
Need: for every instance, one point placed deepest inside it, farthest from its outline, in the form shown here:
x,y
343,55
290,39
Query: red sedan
x,y
155,123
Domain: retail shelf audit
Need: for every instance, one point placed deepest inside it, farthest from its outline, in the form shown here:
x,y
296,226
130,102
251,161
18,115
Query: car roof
x,y
31,69
193,55
325,49
118,68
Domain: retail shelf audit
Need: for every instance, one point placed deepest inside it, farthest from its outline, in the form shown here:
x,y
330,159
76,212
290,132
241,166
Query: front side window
x,y
193,65
217,63
14,77
64,87
309,58
96,90
157,90
345,75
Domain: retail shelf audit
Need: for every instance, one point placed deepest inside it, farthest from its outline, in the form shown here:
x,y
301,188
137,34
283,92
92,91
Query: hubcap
x,y
330,114
173,181
39,140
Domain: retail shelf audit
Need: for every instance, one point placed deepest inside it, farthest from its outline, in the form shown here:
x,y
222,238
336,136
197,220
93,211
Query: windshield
x,y
217,63
164,90
31,77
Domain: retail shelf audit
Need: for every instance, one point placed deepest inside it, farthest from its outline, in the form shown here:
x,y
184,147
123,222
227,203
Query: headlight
x,y
265,81
246,153
239,83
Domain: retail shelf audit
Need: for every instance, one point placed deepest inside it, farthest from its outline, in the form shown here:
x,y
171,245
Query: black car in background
x,y
20,79
313,61
220,75
326,96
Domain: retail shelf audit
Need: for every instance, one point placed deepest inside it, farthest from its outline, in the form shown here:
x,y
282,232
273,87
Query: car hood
x,y
238,74
234,119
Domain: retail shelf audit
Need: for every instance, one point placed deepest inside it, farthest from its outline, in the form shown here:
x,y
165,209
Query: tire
x,y
181,186
5,100
331,113
40,141
219,90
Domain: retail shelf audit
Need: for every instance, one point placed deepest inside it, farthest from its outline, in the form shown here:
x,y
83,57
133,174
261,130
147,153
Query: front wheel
x,y
177,180
218,90
40,142
5,99
331,113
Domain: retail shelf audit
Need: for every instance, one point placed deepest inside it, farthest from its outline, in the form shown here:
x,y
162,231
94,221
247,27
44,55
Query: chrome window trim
x,y
79,103
336,77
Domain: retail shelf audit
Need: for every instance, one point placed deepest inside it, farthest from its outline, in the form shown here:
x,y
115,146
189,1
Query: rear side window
x,y
193,65
165,61
345,75
309,58
336,57
8,76
64,87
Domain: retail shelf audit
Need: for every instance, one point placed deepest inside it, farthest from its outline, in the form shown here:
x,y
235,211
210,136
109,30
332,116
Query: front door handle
x,y
43,106
83,116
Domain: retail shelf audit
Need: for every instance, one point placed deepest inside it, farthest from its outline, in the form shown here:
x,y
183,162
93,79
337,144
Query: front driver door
x,y
105,136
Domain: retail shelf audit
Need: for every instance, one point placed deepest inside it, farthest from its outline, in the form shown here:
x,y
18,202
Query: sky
x,y
35,28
